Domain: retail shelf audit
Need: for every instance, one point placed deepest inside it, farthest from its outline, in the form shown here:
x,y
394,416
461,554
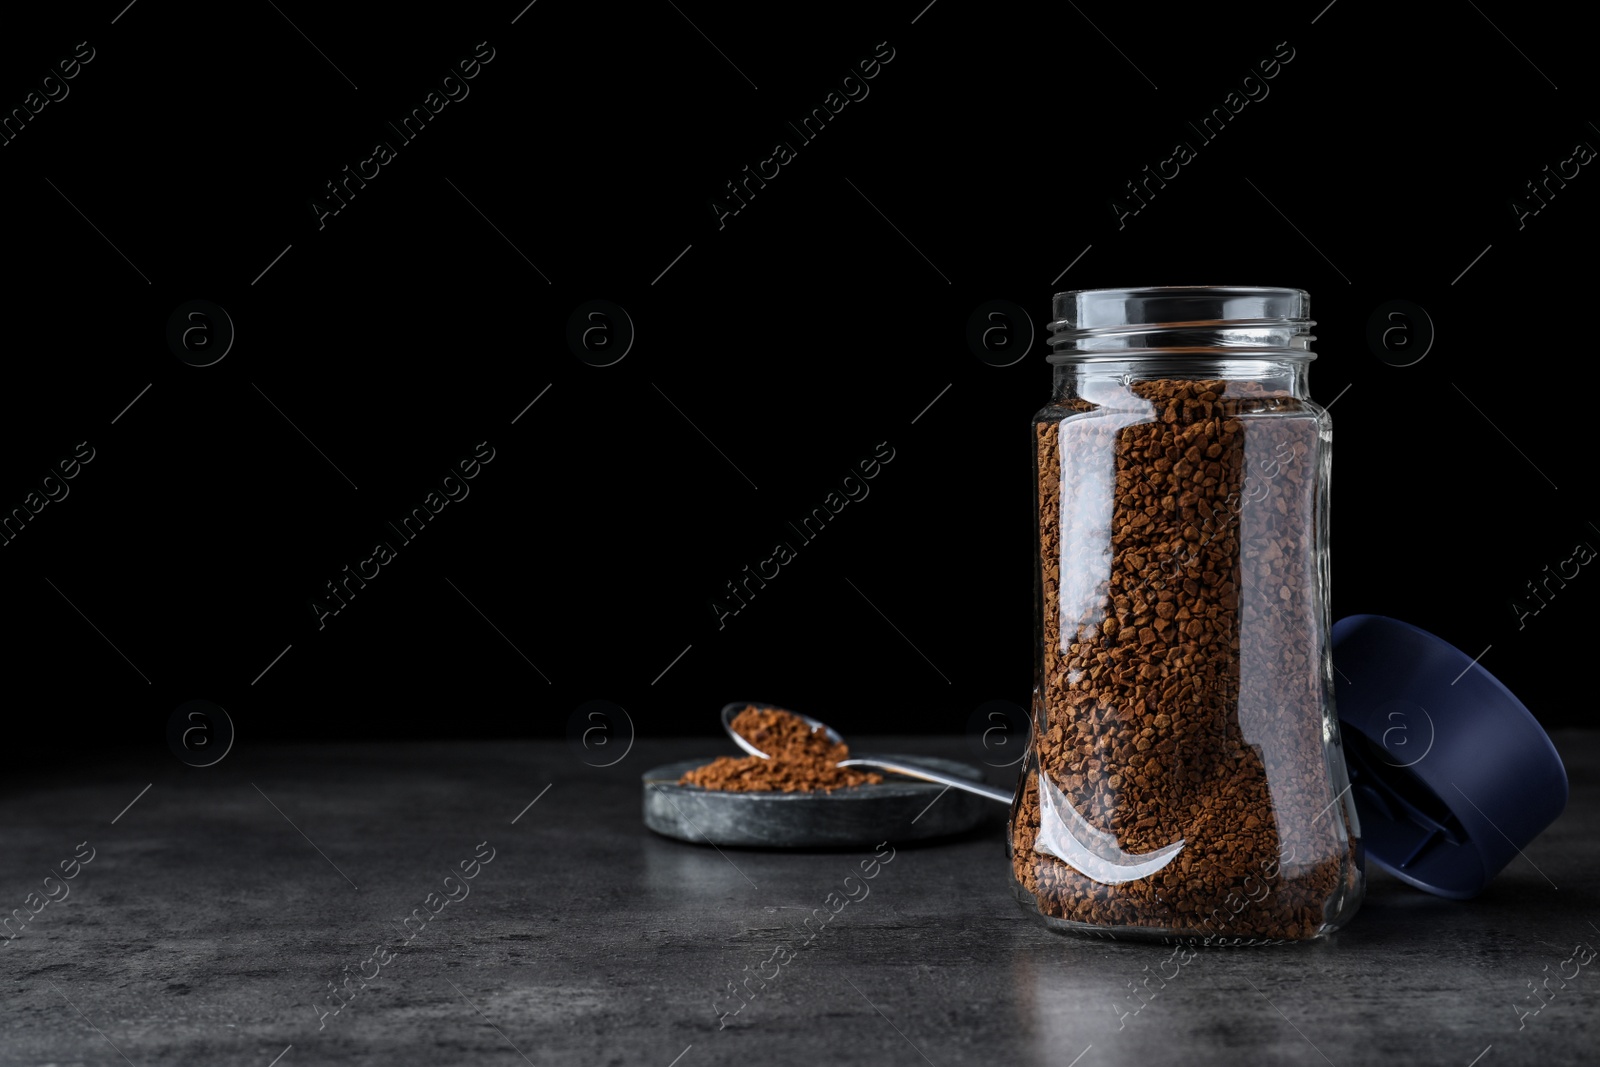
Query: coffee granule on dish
x,y
802,761
1182,693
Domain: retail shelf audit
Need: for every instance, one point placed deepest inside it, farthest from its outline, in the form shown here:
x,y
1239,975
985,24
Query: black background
x,y
818,322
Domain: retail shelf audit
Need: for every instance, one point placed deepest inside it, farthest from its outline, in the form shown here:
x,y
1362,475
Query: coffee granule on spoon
x,y
803,760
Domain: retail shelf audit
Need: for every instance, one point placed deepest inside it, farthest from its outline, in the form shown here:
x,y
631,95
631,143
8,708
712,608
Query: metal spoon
x,y
907,769
1063,832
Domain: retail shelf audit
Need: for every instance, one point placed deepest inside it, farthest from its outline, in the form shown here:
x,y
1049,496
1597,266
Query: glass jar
x,y
1184,778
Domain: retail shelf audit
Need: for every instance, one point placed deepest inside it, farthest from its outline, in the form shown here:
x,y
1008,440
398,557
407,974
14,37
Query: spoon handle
x,y
912,771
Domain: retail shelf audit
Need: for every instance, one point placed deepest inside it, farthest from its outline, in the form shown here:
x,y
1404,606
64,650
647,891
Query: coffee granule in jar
x,y
1181,691
802,760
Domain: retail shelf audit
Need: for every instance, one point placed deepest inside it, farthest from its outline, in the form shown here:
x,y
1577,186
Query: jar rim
x,y
1235,318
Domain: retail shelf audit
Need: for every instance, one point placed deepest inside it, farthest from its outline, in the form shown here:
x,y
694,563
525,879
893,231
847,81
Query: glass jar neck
x,y
1279,375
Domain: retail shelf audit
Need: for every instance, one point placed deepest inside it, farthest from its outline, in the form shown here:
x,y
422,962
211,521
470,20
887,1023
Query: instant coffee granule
x,y
1182,693
802,761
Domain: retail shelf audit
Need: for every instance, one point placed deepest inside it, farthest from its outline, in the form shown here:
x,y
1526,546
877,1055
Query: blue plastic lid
x,y
1451,775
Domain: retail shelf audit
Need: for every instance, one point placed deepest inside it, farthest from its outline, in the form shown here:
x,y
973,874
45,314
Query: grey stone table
x,y
219,906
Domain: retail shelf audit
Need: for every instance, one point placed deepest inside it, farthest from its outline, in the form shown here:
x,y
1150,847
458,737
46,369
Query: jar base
x,y
1154,934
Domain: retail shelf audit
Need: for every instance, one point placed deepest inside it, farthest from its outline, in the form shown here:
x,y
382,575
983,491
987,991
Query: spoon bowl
x,y
909,770
729,711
